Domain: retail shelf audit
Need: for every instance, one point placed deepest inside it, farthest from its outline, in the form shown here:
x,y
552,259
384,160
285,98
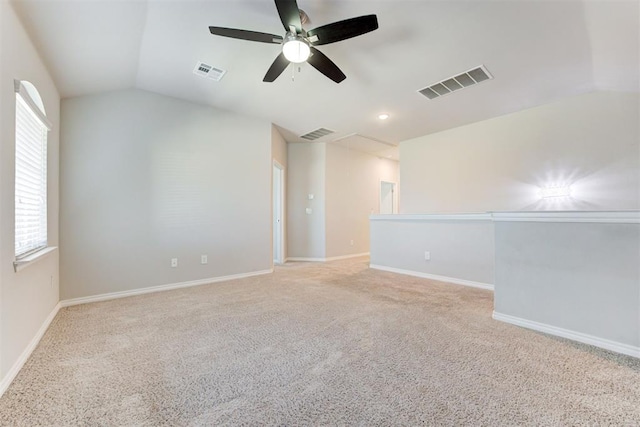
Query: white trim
x,y
625,217
336,258
21,90
160,288
278,232
394,197
439,278
15,369
333,258
433,217
618,347
24,262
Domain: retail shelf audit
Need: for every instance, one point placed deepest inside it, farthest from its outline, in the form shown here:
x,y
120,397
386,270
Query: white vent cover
x,y
451,84
316,134
206,70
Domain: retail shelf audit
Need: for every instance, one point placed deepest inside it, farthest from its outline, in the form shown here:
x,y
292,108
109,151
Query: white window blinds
x,y
31,177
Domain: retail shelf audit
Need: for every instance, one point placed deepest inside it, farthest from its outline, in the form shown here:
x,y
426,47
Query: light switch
x,y
311,196
309,211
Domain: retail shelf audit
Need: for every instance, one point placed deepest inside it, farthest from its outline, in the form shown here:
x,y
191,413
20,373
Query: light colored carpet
x,y
314,344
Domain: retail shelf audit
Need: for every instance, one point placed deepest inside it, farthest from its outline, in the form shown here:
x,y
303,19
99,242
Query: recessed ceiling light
x,y
383,116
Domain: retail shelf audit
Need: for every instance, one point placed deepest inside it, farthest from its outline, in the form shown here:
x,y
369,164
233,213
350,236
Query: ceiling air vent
x,y
316,134
206,70
454,83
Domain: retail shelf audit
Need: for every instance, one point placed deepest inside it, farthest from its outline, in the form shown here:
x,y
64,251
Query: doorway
x,y
387,198
278,213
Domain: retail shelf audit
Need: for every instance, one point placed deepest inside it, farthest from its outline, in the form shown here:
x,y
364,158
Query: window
x,y
32,127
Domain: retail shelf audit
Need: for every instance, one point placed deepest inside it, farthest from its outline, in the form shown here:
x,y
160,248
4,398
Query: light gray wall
x,y
29,296
460,249
146,178
346,186
583,277
352,195
306,232
590,141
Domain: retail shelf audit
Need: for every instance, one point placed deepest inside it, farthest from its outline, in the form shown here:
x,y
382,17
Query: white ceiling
x,y
369,145
537,51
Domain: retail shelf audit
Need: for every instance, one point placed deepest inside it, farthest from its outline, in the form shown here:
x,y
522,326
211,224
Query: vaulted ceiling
x,y
537,51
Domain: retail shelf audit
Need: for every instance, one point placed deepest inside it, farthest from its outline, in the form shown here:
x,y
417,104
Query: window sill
x,y
31,259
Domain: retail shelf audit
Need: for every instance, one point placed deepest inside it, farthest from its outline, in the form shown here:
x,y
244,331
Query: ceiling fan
x,y
298,45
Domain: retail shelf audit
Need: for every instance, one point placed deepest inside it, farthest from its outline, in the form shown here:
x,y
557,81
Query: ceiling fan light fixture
x,y
296,49
299,45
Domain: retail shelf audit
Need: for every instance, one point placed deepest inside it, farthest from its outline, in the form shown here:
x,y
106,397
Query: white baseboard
x,y
333,258
618,347
13,372
151,289
463,282
336,258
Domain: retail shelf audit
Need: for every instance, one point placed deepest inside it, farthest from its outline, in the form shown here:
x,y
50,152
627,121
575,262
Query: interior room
x,y
319,212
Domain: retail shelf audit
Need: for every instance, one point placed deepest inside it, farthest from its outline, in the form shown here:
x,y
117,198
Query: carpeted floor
x,y
314,344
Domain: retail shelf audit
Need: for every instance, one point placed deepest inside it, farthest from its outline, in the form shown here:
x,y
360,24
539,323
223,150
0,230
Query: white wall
x,y
306,232
590,141
29,296
352,195
146,178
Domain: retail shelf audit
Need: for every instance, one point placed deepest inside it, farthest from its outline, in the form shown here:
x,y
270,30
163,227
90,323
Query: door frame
x,y
394,196
278,198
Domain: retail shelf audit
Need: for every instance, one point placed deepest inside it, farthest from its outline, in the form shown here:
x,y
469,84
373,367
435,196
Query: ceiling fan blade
x,y
289,14
253,36
320,62
343,30
276,68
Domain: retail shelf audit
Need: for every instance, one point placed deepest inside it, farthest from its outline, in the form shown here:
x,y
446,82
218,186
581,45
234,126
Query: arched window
x,y
32,127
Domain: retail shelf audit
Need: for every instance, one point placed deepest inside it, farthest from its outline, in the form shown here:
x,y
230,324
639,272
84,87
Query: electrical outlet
x,y
427,256
174,262
203,259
